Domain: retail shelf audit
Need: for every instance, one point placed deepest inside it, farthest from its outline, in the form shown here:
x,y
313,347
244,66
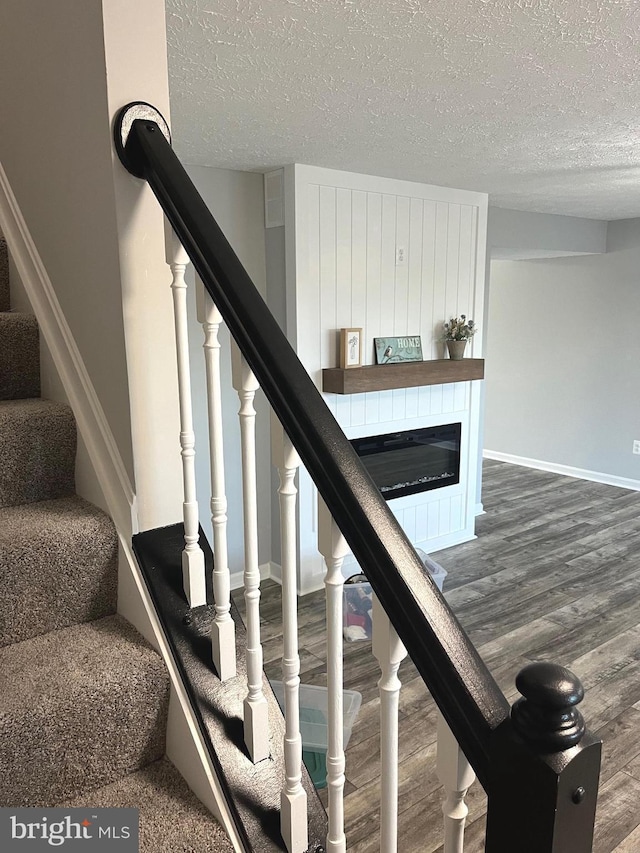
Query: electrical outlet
x,y
636,446
401,256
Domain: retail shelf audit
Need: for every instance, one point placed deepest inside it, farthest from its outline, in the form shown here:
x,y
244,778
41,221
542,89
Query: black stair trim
x,y
252,790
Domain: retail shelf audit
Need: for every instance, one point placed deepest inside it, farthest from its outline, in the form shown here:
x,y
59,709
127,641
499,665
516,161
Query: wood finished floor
x,y
553,575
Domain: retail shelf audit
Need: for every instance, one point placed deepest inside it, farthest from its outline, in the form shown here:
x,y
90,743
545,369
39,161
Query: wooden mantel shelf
x,y
385,377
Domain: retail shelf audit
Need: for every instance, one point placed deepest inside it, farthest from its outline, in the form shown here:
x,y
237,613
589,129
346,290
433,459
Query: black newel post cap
x,y
547,717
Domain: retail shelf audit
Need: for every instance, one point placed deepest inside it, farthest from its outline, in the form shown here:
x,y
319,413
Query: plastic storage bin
x,y
358,600
313,725
435,569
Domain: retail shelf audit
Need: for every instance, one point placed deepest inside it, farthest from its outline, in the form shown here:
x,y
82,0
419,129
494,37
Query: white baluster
x,y
193,578
293,800
256,714
223,631
389,652
457,776
333,547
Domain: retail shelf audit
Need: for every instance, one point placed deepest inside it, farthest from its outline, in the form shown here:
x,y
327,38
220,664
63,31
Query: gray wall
x,y
517,234
236,200
563,355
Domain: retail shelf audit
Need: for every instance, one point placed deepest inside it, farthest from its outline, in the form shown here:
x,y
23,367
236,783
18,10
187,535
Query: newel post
x,y
543,769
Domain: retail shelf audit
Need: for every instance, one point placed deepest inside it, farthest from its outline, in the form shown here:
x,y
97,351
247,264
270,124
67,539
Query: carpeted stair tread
x,y
172,819
38,441
19,356
58,567
79,708
4,275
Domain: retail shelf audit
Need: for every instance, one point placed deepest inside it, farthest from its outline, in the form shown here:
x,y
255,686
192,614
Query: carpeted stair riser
x,y
38,453
83,704
172,819
80,708
58,567
19,356
4,275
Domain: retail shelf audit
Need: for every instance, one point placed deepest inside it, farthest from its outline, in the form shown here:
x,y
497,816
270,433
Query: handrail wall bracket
x,y
130,155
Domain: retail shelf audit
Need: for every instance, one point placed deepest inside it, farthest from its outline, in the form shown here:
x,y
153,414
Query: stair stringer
x,y
185,745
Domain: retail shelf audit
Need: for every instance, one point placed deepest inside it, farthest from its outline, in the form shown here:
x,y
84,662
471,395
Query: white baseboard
x,y
565,470
479,510
275,572
237,578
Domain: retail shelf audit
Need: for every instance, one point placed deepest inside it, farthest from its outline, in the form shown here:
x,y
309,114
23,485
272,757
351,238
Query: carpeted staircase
x,y
83,697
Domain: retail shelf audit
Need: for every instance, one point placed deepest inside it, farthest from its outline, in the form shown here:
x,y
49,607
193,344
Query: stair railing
x,y
536,761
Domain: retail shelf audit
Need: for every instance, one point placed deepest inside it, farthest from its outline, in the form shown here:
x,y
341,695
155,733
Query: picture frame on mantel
x,y
398,350
350,348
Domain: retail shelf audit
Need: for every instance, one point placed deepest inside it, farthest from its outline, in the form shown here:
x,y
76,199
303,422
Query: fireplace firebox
x,y
416,460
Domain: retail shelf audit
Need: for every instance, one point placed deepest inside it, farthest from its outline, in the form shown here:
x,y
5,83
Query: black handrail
x,y
459,681
537,762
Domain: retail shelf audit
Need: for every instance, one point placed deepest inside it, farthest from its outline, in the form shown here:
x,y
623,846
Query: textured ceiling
x,y
536,102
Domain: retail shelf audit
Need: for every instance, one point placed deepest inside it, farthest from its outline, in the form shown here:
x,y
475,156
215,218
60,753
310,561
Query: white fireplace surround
x,y
343,269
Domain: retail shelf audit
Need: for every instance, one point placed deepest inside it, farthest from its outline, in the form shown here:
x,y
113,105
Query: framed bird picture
x,y
398,350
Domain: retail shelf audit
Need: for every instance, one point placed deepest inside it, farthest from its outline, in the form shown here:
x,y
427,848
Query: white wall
x,y
57,103
562,359
51,388
346,228
237,202
55,147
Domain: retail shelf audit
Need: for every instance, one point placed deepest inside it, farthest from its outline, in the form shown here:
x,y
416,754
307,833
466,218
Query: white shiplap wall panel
x,y
424,401
415,284
400,317
344,265
465,262
360,276
388,267
399,401
433,520
436,399
308,295
453,262
344,283
421,522
328,281
455,521
444,516
347,275
448,399
427,318
409,522
372,408
343,408
386,406
372,252
411,410
440,246
461,393
358,409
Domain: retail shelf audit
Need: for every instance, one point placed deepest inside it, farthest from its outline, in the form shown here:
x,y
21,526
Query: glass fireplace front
x,y
416,460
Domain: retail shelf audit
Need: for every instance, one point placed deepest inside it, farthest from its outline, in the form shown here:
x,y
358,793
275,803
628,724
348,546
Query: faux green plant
x,y
459,329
